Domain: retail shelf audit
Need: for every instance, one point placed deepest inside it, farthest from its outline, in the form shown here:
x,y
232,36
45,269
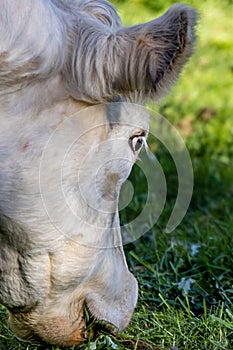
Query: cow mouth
x,y
95,325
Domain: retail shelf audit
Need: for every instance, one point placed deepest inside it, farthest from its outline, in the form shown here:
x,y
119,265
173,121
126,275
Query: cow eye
x,y
136,142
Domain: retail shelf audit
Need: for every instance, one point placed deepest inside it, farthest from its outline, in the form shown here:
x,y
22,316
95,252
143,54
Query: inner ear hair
x,y
159,50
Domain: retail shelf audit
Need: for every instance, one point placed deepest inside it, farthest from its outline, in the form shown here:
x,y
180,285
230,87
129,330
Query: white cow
x,y
62,164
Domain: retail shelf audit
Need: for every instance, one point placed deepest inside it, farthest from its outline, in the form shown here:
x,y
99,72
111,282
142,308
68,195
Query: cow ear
x,y
161,48
135,63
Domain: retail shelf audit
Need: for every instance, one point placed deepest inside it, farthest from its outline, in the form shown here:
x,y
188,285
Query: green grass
x,y
185,277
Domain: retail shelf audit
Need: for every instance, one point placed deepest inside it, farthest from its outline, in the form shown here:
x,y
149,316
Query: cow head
x,y
77,257
66,148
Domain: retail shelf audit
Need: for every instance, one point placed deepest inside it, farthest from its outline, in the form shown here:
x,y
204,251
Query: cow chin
x,y
55,330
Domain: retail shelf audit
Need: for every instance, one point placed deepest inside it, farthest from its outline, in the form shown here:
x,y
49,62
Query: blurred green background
x,y
200,105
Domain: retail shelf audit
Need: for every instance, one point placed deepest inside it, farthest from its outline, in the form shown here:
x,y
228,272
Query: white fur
x,y
62,162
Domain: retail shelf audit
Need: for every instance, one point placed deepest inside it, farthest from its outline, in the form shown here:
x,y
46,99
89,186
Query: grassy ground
x,y
185,277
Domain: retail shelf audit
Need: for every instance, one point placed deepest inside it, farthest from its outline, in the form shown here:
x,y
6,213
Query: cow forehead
x,y
109,120
130,114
